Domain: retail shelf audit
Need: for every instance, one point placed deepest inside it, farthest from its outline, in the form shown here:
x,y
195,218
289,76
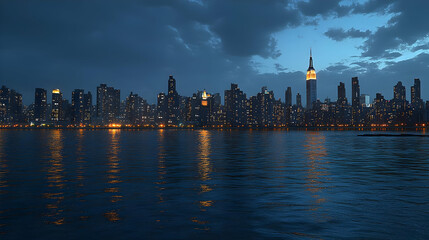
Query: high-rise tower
x,y
311,84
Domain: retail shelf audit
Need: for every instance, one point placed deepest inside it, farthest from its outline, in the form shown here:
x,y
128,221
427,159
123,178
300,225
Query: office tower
x,y
341,111
135,109
173,102
235,106
10,106
355,101
40,105
288,104
298,100
266,107
288,97
57,103
365,100
108,104
161,109
87,108
342,100
77,106
415,93
399,99
417,104
311,84
399,104
81,107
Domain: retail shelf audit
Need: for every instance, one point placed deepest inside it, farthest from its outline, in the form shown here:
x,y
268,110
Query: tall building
x,y
399,104
57,103
365,100
10,106
161,109
342,100
288,105
311,82
298,100
288,97
235,106
81,107
173,103
415,93
417,104
135,109
108,104
355,100
40,105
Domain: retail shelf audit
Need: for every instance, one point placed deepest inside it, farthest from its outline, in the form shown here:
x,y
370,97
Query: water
x,y
202,184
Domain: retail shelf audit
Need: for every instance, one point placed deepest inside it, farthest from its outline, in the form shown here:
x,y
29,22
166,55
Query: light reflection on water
x,y
55,179
317,174
204,184
113,175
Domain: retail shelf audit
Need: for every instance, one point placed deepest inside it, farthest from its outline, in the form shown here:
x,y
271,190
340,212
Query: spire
x,y
311,61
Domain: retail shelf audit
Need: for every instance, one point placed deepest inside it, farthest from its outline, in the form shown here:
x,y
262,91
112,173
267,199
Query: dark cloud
x,y
404,29
339,34
326,8
135,45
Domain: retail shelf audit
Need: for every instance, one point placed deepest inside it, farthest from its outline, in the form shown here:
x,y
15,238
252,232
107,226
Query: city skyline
x,y
253,44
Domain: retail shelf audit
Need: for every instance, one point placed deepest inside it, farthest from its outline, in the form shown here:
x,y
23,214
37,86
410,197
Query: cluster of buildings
x,y
204,109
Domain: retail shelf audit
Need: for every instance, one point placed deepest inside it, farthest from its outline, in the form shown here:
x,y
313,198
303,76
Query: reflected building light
x,y
3,166
316,170
113,178
55,178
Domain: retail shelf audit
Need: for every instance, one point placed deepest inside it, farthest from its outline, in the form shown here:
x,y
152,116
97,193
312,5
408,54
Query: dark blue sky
x,y
207,44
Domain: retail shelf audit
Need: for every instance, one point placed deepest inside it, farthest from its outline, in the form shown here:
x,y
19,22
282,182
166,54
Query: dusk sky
x,y
208,44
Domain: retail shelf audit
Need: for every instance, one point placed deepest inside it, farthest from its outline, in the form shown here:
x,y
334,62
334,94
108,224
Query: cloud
x,y
420,47
405,27
339,34
313,8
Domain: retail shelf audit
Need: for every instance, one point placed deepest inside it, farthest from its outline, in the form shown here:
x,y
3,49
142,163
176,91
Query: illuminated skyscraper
x,y
235,106
108,104
81,107
311,82
40,105
57,102
355,100
173,102
415,93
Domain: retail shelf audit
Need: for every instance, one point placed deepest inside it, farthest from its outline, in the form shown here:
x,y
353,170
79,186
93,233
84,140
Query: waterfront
x,y
212,184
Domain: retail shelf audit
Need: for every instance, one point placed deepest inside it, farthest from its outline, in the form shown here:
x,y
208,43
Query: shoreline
x,y
419,128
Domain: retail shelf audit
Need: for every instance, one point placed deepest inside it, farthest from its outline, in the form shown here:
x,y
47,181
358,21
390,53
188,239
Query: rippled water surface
x,y
203,184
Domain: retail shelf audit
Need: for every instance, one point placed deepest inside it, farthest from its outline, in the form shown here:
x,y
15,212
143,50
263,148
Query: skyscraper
x,y
298,100
342,94
415,93
311,82
288,97
355,100
235,106
40,105
173,102
108,104
161,109
288,104
10,106
57,102
342,105
81,107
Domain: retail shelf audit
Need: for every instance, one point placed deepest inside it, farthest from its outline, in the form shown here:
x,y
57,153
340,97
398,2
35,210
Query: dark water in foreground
x,y
200,184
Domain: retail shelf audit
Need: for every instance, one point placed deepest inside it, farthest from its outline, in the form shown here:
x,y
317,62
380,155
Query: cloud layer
x,y
206,44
